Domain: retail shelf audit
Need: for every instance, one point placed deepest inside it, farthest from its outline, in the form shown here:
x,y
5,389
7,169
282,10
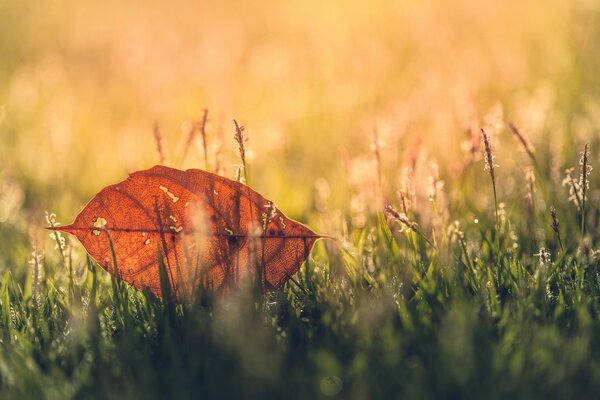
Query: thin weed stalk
x,y
490,167
524,142
58,238
241,139
409,224
377,154
584,183
159,145
120,297
203,135
530,151
555,227
188,142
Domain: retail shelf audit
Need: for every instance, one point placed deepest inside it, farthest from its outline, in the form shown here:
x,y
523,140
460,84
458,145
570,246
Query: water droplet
x,y
173,218
147,242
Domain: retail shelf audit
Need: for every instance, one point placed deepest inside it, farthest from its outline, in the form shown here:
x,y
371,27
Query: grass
x,y
403,306
440,283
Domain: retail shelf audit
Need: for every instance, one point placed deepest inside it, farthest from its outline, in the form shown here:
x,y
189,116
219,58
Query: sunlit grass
x,y
465,287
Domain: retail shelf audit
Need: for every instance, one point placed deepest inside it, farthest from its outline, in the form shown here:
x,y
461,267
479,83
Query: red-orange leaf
x,y
211,232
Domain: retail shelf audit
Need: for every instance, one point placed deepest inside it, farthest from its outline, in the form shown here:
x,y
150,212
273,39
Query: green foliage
x,y
385,311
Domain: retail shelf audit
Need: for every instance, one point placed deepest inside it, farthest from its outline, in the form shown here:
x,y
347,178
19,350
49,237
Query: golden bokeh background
x,y
83,83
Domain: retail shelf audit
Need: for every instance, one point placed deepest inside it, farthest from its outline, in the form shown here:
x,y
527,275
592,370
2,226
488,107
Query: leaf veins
x,y
210,231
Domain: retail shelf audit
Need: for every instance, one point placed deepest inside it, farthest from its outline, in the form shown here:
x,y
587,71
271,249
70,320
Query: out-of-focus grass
x,y
384,314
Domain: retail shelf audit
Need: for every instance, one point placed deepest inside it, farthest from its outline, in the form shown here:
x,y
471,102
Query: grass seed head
x,y
530,189
489,155
241,140
573,186
529,149
399,217
586,169
555,222
544,256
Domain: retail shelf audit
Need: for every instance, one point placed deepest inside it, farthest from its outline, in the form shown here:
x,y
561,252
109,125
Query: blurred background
x,y
83,83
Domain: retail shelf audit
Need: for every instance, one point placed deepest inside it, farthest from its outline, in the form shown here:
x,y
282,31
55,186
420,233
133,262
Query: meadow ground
x,y
464,265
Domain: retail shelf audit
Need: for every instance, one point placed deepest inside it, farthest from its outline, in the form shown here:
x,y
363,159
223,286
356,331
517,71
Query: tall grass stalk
x,y
490,167
584,183
159,144
524,143
403,219
377,154
241,140
556,226
202,129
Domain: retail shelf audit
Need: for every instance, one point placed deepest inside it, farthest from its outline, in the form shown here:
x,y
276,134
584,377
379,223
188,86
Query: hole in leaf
x,y
99,222
171,195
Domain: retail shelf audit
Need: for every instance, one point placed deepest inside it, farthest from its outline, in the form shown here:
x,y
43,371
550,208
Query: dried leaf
x,y
210,231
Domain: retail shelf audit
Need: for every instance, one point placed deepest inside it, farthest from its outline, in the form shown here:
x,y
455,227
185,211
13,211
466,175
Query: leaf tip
x,y
327,237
